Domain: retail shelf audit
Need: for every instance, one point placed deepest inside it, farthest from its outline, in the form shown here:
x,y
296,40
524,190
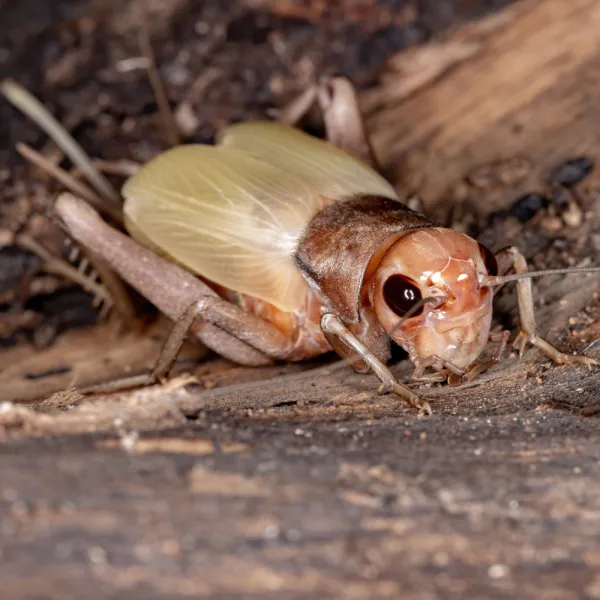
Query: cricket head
x,y
428,295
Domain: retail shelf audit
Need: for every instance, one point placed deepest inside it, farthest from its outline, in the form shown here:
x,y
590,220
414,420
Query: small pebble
x,y
572,171
271,532
498,571
97,555
573,217
525,208
186,119
551,224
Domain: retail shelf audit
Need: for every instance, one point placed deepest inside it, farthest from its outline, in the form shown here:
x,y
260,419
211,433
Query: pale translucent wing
x,y
336,174
233,213
226,216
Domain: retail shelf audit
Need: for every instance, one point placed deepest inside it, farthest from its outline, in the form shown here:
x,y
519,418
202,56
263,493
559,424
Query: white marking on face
x,y
437,277
462,277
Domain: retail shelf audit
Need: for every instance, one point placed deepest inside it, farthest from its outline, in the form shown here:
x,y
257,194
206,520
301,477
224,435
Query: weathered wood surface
x,y
529,90
299,481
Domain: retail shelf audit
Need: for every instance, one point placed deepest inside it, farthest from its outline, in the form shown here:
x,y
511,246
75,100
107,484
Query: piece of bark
x,y
528,89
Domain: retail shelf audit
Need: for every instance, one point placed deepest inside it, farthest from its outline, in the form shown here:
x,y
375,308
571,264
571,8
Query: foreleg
x,y
337,333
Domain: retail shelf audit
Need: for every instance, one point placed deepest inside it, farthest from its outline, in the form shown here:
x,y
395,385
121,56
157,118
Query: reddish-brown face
x,y
444,265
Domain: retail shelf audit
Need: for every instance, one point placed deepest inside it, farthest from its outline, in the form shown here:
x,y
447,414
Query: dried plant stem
x,y
109,292
36,111
69,182
166,115
123,167
298,107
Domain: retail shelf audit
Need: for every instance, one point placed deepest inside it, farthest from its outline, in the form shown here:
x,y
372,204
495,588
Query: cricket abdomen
x,y
302,327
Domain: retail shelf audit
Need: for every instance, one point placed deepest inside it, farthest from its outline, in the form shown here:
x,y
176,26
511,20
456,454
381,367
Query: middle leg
x,y
512,258
256,333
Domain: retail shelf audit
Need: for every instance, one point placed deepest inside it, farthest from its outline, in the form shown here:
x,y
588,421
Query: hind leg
x,y
189,302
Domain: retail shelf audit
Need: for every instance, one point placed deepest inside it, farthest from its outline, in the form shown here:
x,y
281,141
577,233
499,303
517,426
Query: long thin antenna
x,y
501,279
37,112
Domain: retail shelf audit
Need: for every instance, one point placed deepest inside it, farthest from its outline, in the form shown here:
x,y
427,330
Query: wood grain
x,y
531,88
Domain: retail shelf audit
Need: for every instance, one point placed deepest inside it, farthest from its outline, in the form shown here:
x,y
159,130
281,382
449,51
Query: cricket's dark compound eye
x,y
489,260
401,295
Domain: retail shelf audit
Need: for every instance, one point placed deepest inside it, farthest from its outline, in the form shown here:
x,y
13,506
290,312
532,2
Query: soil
x,y
300,481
